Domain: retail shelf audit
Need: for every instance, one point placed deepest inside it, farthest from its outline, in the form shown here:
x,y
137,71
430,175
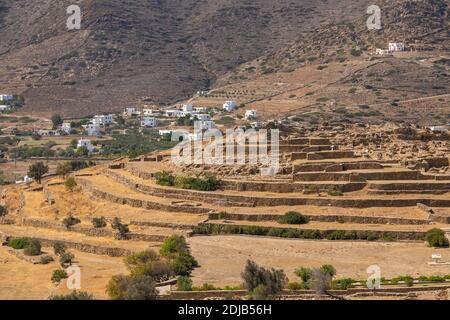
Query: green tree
x,y
263,282
59,275
436,238
59,248
82,151
57,120
63,169
37,171
70,183
184,283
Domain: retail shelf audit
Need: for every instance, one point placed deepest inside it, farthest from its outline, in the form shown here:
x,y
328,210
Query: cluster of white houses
x,y
392,47
4,102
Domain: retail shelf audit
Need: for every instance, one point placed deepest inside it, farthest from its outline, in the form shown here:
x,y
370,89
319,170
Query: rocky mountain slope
x,y
142,51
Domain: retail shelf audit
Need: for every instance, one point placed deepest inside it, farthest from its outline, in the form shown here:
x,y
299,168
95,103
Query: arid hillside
x,y
138,51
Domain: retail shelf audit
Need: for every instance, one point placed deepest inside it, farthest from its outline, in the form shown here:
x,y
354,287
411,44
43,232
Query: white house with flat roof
x,y
6,97
250,114
85,143
4,108
396,46
206,125
203,117
92,129
150,112
66,127
129,112
201,109
103,119
229,106
174,113
149,122
187,107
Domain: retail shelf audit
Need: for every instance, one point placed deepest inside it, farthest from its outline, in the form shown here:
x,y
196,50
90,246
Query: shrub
x,y
59,248
304,273
342,284
70,221
173,245
436,238
70,183
33,248
63,169
295,286
335,192
46,259
164,178
18,243
183,264
59,275
293,217
208,183
184,284
122,229
117,287
262,282
328,269
99,222
205,287
3,211
66,259
74,295
141,288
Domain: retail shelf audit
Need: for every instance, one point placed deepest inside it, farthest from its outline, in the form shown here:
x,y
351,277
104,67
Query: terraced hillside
x,y
368,205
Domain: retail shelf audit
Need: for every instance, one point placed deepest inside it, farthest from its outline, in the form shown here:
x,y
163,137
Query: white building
x,y
201,109
206,125
381,52
6,97
85,143
174,113
66,127
187,107
396,46
229,106
149,122
203,117
438,128
4,108
150,112
92,129
103,119
250,114
48,133
129,112
165,132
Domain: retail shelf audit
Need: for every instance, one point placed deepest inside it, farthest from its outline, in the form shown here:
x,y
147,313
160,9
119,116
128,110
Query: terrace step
x,y
84,243
141,233
320,218
321,230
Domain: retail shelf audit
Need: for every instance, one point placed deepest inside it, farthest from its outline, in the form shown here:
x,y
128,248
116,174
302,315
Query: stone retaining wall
x,y
251,201
321,218
84,247
398,235
137,203
19,253
92,232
